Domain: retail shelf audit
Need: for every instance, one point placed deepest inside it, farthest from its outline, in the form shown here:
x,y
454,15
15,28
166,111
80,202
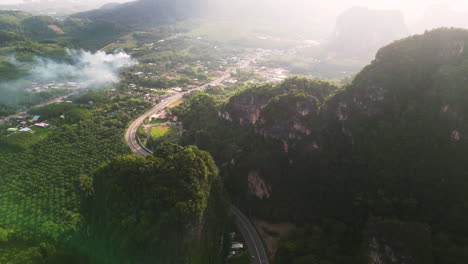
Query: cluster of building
x,y
164,117
152,97
211,69
23,122
153,46
169,76
231,81
272,75
149,45
216,73
236,247
37,87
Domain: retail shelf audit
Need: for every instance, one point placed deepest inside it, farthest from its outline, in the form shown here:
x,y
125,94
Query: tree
x,y
86,185
4,233
150,205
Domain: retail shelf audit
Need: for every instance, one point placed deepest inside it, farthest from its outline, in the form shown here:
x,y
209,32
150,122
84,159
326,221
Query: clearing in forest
x,y
163,131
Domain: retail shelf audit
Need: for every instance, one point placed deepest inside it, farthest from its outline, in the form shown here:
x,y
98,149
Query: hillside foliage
x,y
145,207
375,169
40,176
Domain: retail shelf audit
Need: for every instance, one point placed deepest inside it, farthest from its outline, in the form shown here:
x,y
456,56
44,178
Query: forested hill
x,y
143,13
22,34
16,25
42,35
374,170
158,209
89,30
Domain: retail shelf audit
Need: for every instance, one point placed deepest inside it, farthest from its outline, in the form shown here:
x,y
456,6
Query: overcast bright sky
x,y
411,8
96,1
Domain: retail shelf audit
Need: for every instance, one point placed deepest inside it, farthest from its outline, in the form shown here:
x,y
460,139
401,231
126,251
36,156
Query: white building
x,y
237,246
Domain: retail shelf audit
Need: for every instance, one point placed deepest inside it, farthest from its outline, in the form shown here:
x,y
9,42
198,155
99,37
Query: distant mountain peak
x,y
361,31
142,13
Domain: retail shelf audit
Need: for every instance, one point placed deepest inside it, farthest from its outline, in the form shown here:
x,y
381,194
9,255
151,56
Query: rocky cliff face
x,y
420,77
386,153
289,123
287,112
245,108
383,242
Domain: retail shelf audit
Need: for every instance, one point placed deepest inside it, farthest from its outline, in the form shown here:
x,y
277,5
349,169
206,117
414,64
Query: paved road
x,y
255,246
254,243
130,136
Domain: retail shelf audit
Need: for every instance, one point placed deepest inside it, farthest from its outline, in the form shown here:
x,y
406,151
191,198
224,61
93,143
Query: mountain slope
x,y
377,165
161,209
142,13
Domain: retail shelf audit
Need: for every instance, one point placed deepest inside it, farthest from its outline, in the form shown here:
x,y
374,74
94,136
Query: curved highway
x,y
254,244
131,135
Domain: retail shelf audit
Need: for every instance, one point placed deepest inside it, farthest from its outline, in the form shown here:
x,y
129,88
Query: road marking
x,y
248,226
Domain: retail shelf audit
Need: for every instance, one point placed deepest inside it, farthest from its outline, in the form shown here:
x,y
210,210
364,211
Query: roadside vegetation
x,y
40,174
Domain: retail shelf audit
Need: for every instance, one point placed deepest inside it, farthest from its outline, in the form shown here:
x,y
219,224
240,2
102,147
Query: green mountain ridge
x,y
90,30
157,209
143,13
362,170
372,172
360,32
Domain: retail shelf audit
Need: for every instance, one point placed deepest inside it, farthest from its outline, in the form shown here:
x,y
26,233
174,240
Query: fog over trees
x,y
168,131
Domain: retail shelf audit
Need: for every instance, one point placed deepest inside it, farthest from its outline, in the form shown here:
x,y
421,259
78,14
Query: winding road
x,y
254,244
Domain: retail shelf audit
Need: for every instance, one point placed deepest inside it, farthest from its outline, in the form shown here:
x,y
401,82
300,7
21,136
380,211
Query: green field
x,y
176,103
22,140
163,131
157,121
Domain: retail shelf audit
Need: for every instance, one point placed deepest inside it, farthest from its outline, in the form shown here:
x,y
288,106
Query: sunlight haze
x,y
233,131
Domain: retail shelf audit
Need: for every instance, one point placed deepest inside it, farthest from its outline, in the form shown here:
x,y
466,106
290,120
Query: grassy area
x,y
163,131
22,140
157,121
126,42
240,33
241,258
176,103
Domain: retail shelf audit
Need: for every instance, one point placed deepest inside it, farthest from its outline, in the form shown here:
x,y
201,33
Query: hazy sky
x,y
411,8
90,1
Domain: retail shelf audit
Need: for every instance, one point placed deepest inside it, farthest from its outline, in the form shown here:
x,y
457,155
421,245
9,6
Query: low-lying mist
x,y
82,68
95,68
